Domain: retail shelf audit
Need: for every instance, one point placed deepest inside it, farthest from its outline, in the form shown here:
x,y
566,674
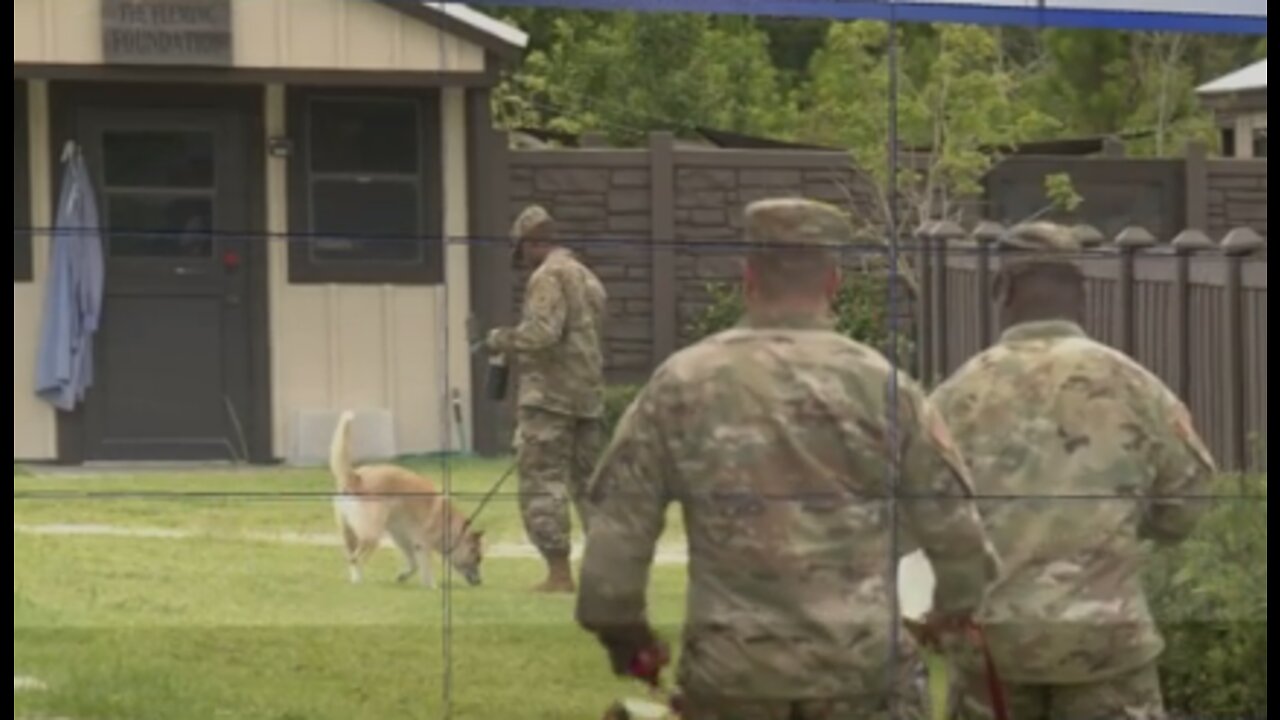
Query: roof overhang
x,y
1251,79
503,40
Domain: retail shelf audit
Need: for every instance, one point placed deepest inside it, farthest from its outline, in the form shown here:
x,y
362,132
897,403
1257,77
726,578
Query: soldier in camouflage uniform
x,y
1086,458
557,346
776,438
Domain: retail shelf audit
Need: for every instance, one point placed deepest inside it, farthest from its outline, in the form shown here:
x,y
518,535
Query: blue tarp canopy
x,y
1248,17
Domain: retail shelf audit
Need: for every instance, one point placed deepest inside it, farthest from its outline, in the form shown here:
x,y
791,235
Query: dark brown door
x,y
172,358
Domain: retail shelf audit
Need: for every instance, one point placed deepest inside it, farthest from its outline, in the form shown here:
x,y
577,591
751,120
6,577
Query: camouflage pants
x,y
555,457
1133,696
801,710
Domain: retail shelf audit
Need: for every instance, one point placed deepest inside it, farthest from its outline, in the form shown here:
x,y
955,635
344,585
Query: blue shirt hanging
x,y
73,297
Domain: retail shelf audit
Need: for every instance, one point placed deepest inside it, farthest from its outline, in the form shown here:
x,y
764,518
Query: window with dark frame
x,y
365,189
22,266
158,192
1228,138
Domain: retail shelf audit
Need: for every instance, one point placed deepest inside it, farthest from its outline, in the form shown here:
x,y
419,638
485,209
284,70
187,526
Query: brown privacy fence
x,y
658,224
1194,311
655,222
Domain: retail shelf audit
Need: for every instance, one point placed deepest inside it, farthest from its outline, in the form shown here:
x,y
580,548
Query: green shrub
x,y
1210,597
616,401
861,310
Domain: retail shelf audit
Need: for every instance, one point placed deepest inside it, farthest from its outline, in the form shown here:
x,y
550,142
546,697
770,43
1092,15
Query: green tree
x,y
1103,82
792,43
957,106
629,73
1088,82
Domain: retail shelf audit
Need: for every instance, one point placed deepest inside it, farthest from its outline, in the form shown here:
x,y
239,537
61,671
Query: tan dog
x,y
378,500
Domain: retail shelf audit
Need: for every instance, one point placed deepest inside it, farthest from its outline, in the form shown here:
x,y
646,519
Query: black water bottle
x,y
496,379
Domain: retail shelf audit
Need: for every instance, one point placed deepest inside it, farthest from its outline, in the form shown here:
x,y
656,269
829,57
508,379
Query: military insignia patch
x,y
938,431
940,434
1184,429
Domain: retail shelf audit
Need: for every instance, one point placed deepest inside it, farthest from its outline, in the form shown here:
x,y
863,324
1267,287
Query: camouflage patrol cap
x,y
532,219
1043,241
789,224
1044,245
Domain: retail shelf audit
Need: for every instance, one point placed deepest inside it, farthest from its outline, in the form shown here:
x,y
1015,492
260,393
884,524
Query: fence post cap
x,y
925,228
1243,241
947,230
1087,235
662,139
1192,240
1135,237
987,231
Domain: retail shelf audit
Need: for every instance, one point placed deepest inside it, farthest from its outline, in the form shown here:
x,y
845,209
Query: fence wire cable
x,y
442,321
601,239
894,425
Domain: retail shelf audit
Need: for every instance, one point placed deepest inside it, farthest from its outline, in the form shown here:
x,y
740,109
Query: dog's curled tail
x,y
344,472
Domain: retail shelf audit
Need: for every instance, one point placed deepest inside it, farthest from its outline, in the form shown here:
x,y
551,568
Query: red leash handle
x,y
995,688
930,634
647,667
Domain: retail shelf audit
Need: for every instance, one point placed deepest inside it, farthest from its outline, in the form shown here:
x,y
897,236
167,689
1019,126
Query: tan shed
x,y
317,168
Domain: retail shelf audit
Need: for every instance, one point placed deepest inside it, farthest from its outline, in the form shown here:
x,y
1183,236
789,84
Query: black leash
x,y
489,495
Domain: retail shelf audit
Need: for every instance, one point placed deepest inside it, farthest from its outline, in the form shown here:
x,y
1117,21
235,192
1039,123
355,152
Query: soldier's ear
x,y
750,280
831,285
1000,289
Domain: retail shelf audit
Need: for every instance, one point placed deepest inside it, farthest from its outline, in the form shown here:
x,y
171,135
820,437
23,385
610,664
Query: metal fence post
x,y
942,234
1130,242
1237,245
925,331
1188,243
986,235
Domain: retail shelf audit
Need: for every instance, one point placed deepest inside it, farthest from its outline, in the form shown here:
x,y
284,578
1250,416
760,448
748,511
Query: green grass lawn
x,y
266,500
220,626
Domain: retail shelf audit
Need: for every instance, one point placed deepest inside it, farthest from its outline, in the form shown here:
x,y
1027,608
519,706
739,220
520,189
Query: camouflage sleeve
x,y
542,321
941,515
629,498
1184,476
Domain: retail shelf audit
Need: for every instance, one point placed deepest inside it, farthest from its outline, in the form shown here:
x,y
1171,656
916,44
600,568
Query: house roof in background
x,y
1253,77
509,34
501,38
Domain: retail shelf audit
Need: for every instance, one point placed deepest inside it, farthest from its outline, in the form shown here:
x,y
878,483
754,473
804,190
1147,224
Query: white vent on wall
x,y
373,436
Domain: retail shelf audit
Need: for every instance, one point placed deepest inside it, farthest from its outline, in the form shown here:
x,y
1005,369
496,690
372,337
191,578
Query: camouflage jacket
x,y
1079,457
775,438
557,345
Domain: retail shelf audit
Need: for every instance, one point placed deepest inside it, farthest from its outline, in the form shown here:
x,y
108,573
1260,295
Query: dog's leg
x,y
410,556
352,543
365,548
424,561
